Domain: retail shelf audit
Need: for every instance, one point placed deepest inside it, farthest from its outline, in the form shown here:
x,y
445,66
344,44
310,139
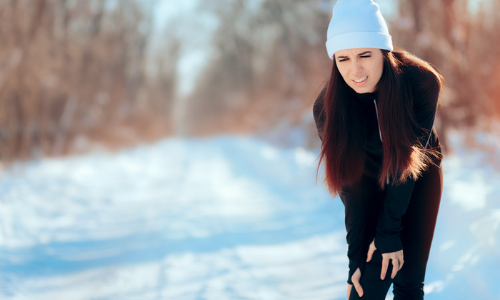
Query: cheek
x,y
343,72
376,69
380,66
380,70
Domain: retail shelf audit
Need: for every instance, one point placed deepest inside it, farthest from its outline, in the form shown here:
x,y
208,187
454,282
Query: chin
x,y
361,90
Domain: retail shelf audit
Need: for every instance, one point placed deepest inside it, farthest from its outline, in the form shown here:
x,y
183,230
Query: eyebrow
x,y
366,52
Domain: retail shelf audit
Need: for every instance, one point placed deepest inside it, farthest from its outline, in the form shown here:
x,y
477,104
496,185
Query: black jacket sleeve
x,y
397,197
356,213
358,216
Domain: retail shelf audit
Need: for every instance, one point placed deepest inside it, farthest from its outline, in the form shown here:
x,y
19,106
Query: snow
x,y
227,217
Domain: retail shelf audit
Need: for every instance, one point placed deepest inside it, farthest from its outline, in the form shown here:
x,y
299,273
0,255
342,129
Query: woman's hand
x,y
355,280
396,257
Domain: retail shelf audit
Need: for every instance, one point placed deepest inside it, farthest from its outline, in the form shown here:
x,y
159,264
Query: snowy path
x,y
219,218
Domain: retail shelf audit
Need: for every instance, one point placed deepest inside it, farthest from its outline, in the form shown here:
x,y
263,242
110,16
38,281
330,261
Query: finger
x,y
358,287
385,265
395,268
349,287
370,253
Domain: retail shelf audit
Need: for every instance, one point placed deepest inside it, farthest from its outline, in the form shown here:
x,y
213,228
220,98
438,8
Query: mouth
x,y
362,82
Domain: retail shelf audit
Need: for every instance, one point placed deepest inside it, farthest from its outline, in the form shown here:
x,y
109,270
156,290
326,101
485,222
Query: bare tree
x,y
453,38
72,70
269,62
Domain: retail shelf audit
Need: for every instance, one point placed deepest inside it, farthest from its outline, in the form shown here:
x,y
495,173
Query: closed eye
x,y
360,56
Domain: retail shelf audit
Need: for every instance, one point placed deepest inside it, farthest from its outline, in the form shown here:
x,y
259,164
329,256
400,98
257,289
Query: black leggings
x,y
418,224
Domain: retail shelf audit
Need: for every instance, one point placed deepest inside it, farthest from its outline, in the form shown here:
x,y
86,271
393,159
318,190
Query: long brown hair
x,y
344,132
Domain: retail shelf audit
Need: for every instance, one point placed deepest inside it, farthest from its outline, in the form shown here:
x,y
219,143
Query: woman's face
x,y
361,68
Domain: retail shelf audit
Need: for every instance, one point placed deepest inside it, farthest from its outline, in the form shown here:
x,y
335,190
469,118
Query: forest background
x,y
76,76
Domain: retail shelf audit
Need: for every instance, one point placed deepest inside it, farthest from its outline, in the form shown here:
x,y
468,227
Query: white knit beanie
x,y
357,24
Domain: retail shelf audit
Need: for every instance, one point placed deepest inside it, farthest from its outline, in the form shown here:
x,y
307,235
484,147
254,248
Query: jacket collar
x,y
368,96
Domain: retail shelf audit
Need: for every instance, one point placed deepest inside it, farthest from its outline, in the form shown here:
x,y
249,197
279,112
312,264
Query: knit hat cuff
x,y
352,40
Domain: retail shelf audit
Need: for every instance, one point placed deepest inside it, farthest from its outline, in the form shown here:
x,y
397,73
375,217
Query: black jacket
x,y
425,89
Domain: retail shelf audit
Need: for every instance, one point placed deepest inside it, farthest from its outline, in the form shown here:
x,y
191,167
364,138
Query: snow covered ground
x,y
220,218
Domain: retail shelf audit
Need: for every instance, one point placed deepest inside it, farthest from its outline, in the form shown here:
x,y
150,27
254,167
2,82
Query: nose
x,y
356,67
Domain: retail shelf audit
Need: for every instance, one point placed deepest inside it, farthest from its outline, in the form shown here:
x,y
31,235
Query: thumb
x,y
358,287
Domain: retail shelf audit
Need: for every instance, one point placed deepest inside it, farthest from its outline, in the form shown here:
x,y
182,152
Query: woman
x,y
382,155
